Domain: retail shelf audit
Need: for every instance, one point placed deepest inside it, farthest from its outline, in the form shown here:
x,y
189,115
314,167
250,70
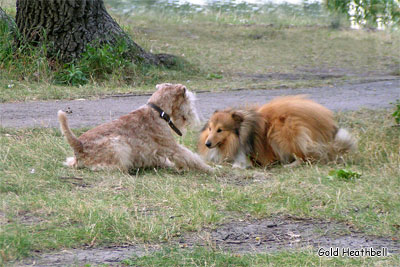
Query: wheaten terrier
x,y
142,138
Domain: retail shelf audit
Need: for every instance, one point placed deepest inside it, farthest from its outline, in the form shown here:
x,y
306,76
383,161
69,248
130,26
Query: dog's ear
x,y
205,127
161,85
184,90
237,117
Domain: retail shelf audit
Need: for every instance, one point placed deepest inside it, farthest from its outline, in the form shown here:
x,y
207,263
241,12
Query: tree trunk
x,y
69,25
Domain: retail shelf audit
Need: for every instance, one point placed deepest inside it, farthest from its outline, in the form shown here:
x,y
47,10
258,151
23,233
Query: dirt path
x,y
260,236
371,95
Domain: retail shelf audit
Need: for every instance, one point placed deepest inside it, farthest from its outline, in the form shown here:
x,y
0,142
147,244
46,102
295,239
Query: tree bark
x,y
69,25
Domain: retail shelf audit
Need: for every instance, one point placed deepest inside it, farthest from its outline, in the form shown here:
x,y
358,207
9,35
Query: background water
x,y
313,9
196,6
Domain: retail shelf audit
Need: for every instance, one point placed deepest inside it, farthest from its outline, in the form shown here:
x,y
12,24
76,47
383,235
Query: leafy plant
x,y
71,75
343,174
97,61
212,76
100,60
396,113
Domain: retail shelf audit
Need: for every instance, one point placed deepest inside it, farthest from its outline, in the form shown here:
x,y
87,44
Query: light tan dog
x,y
289,129
142,138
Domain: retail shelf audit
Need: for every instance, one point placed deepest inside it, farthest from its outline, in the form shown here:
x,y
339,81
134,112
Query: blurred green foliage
x,y
371,11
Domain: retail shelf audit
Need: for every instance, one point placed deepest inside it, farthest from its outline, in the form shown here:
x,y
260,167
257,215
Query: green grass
x,y
224,51
40,210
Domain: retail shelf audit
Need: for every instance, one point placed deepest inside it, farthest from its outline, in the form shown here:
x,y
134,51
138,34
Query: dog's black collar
x,y
165,117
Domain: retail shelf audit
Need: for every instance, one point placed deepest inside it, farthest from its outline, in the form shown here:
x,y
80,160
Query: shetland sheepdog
x,y
290,129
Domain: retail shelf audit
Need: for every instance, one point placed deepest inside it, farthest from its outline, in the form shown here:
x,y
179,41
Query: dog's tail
x,y
343,142
74,142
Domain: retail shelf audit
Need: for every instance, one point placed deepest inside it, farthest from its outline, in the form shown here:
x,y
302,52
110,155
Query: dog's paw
x,y
210,170
239,165
241,160
295,163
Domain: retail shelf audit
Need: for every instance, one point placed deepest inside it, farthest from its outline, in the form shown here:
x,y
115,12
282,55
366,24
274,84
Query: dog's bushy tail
x,y
74,142
343,142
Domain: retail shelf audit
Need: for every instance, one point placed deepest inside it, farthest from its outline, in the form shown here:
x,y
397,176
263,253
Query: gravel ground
x,y
371,95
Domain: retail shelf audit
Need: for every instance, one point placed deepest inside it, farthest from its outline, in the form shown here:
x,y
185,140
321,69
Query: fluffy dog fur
x,y
287,129
139,139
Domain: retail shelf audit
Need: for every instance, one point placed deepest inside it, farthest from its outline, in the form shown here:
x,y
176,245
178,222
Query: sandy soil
x,y
371,95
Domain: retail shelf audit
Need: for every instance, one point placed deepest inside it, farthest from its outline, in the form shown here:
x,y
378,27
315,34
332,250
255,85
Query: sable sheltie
x,y
288,129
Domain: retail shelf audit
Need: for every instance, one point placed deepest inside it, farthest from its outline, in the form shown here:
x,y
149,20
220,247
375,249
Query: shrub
x,y
396,113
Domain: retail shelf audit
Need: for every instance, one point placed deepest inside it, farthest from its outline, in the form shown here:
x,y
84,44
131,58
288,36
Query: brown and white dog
x,y
142,138
288,129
